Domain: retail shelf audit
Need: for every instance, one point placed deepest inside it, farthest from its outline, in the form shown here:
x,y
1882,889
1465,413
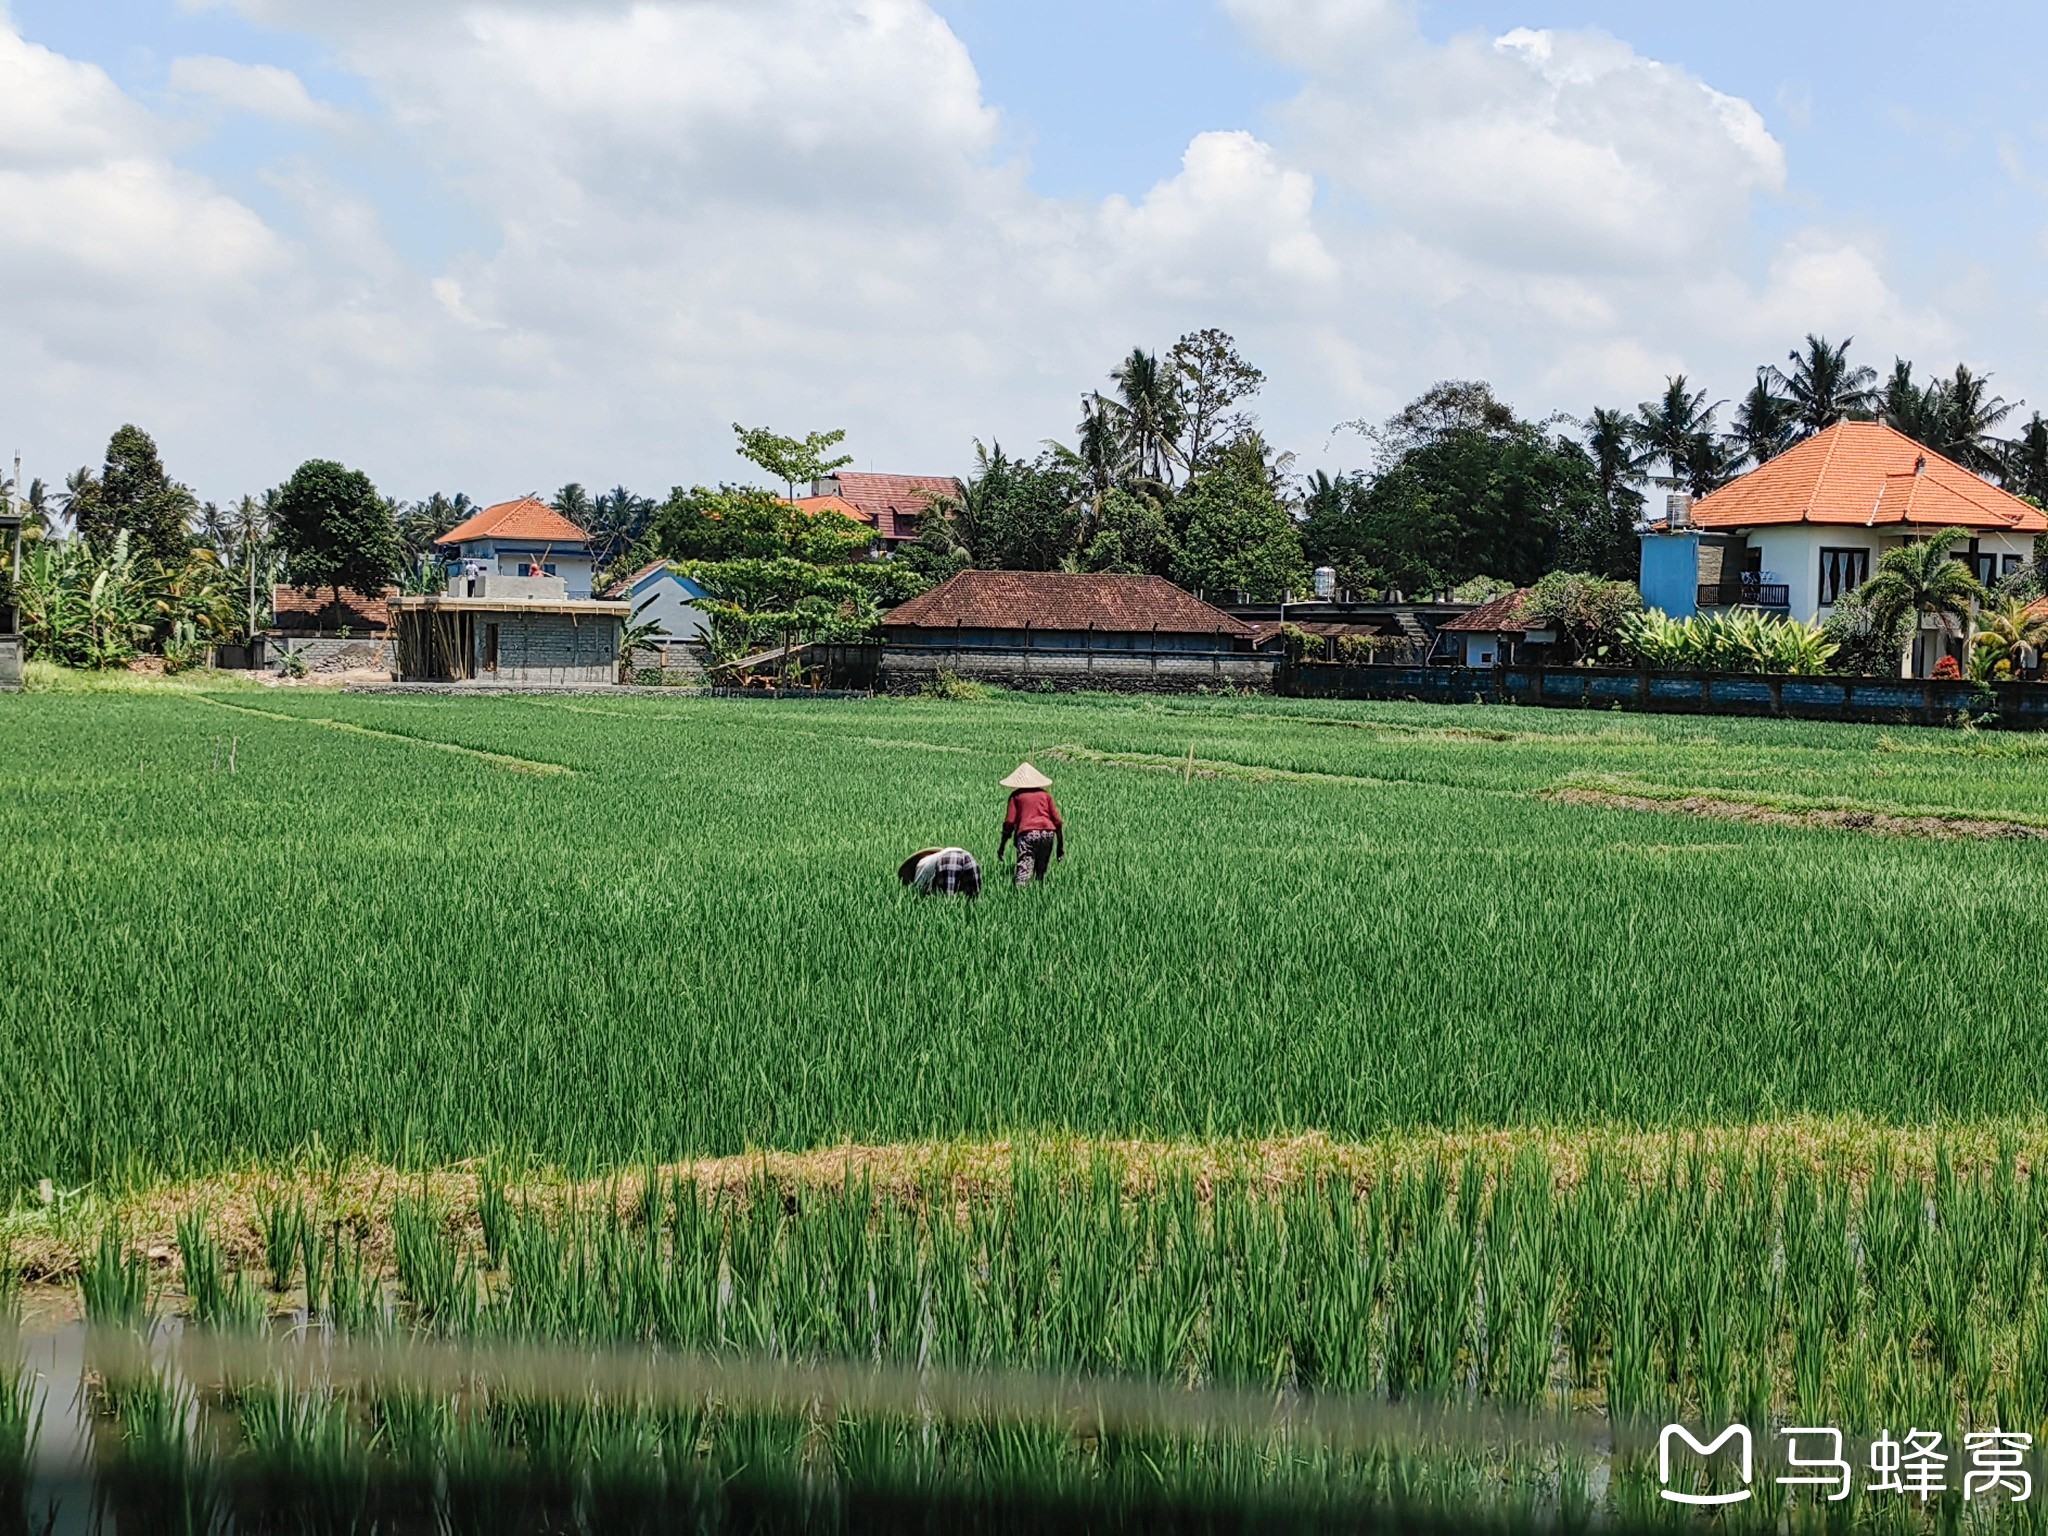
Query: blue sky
x,y
497,244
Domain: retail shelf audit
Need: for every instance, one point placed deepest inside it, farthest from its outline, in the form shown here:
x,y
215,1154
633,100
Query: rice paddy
x,y
666,929
1441,1067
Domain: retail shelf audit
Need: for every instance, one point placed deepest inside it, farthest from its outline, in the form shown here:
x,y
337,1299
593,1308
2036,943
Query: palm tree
x,y
1711,461
1619,458
1924,579
1669,428
2008,630
1824,387
1764,421
1969,413
1147,414
1906,406
2023,467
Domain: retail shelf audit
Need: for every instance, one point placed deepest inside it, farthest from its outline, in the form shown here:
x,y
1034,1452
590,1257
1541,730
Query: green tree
x,y
335,531
1147,415
1764,421
421,523
1235,535
792,460
133,493
1906,406
2023,469
1020,514
1674,426
1968,417
1925,580
1209,378
742,522
1133,536
1825,387
1587,612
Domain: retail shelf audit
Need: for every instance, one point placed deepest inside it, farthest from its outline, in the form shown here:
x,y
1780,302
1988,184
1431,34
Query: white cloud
x,y
261,90
799,211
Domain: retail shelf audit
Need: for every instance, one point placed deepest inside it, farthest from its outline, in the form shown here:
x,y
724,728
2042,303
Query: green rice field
x,y
597,930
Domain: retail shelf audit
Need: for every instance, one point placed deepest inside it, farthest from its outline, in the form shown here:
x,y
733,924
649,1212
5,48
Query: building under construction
x,y
508,630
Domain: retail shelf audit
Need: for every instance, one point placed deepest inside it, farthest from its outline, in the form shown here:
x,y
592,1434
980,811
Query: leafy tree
x,y
618,522
1133,536
1825,387
1923,579
737,522
793,460
1588,613
133,492
335,531
1867,642
1464,487
1210,378
1020,514
1235,535
1908,407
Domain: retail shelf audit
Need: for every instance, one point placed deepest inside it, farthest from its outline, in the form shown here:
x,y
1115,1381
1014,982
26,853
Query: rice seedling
x,y
113,1285
217,1300
285,1223
1339,958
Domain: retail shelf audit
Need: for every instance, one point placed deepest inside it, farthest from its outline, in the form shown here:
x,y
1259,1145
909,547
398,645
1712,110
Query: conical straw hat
x,y
1027,777
907,870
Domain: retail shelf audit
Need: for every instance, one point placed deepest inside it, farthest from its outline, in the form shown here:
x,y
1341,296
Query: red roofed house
x,y
1078,630
893,505
1494,634
1797,532
523,538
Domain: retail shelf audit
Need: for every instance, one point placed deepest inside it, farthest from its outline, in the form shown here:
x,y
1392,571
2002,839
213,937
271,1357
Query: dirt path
x,y
1714,807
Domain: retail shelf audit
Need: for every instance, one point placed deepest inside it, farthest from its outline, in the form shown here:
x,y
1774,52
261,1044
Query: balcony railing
x,y
1745,594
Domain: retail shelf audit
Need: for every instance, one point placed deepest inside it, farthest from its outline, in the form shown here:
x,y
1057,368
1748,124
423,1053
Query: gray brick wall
x,y
10,663
555,647
1068,671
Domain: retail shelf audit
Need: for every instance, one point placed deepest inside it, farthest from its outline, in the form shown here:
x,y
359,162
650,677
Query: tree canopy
x,y
335,531
132,492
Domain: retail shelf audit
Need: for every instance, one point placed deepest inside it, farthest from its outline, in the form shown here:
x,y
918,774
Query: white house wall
x,y
1791,556
667,603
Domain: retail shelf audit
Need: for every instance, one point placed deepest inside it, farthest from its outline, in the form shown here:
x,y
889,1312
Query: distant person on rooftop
x,y
942,872
1034,821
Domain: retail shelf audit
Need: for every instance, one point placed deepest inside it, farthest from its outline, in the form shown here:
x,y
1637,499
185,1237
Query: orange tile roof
x,y
527,519
1865,474
814,505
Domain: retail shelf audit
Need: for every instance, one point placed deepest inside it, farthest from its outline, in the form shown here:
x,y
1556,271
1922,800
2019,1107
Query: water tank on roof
x,y
1678,510
1326,583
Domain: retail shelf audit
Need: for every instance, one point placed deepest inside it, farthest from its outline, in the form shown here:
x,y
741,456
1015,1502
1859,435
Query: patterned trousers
x,y
1034,857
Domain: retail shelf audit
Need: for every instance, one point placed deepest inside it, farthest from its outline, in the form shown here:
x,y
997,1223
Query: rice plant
x,y
113,1284
1340,957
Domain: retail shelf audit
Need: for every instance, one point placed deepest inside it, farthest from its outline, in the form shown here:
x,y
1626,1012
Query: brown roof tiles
x,y
1061,600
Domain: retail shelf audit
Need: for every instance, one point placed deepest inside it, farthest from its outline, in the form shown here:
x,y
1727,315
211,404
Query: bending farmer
x,y
1034,821
942,872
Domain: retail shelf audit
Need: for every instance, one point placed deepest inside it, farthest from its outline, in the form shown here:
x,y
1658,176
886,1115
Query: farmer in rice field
x,y
942,872
1034,821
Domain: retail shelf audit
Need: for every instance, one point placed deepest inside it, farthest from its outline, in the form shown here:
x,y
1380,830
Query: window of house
x,y
1985,567
2013,563
1842,570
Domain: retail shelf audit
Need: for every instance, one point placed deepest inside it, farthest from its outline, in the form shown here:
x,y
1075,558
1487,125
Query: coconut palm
x,y
1669,428
1824,387
2023,466
1969,414
1619,458
1924,580
1764,421
1907,406
1146,413
2004,634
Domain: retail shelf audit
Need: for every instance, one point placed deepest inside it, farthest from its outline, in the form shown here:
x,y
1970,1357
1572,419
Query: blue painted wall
x,y
1671,573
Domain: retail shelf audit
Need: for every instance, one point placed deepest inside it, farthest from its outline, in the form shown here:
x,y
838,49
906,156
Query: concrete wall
x,y
549,647
1005,640
905,671
664,600
10,663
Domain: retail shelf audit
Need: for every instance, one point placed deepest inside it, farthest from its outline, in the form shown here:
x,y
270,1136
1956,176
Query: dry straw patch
x,y
1816,818
46,1242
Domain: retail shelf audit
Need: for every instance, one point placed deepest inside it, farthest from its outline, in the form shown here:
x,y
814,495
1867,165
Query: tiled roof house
x,y
1797,532
526,537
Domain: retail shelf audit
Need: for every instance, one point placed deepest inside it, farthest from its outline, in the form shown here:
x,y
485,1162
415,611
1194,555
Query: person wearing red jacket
x,y
1033,820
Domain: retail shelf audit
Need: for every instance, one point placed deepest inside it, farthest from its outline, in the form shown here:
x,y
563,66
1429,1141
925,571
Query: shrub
x,y
1739,641
948,684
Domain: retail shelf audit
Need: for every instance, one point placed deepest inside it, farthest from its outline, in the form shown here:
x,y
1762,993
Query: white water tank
x,y
1326,583
1678,510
